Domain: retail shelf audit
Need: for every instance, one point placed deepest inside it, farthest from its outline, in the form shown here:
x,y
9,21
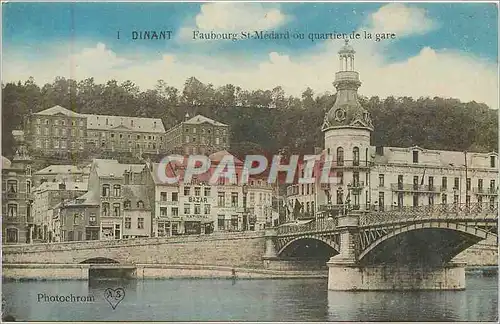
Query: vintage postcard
x,y
249,161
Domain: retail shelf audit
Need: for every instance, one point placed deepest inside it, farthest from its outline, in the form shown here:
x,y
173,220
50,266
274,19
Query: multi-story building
x,y
58,129
106,181
61,173
77,219
136,211
198,135
370,177
201,207
45,198
17,219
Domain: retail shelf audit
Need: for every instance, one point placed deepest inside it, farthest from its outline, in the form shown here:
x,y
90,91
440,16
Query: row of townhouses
x,y
110,200
376,177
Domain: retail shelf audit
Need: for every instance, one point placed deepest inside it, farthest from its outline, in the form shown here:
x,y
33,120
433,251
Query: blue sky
x,y
79,40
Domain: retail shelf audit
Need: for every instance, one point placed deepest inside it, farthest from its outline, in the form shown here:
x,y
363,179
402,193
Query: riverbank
x,y
169,271
147,271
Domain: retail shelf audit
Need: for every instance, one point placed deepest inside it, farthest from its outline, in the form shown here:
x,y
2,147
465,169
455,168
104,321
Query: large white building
x,y
383,177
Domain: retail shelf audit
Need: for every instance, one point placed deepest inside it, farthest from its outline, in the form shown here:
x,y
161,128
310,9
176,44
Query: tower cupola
x,y
347,112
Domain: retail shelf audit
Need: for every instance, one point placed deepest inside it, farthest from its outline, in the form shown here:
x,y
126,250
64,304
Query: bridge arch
x,y
312,241
99,260
460,236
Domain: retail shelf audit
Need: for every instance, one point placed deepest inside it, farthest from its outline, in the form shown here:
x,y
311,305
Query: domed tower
x,y
347,128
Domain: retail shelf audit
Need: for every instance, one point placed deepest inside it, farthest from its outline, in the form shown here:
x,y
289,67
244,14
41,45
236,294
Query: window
x,y
75,219
234,199
140,223
468,184
252,197
480,200
400,182
400,199
234,222
380,180
140,204
415,182
187,191
340,156
116,209
467,201
11,235
443,199
175,211
480,185
92,219
128,222
105,209
117,190
456,183
126,204
492,185
197,191
175,196
381,200
431,200
355,179
492,161
355,156
105,190
340,197
163,211
415,156
444,182
197,209
187,209
12,210
455,199
207,192
220,222
12,185
221,199
207,209
415,200
431,183
163,196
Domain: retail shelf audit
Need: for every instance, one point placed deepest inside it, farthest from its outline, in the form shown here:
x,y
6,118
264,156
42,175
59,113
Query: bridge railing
x,y
313,226
475,211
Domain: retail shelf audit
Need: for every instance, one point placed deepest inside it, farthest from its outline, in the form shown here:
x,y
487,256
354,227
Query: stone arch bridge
x,y
361,248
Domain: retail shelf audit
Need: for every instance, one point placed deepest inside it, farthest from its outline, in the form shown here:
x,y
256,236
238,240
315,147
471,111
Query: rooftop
x,y
199,119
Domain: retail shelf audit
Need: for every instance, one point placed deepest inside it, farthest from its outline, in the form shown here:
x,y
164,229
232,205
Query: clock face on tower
x,y
340,115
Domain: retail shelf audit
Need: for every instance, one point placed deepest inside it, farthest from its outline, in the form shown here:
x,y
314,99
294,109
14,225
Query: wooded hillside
x,y
262,120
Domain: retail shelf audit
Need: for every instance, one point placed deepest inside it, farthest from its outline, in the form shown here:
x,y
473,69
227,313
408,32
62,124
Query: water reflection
x,y
247,300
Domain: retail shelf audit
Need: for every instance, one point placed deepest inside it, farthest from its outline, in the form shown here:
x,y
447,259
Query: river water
x,y
246,300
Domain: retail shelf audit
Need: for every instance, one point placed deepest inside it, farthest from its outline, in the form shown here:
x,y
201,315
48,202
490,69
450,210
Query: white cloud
x,y
224,17
429,73
401,19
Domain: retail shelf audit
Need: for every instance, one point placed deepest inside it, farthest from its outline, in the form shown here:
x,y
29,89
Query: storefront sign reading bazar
x,y
198,200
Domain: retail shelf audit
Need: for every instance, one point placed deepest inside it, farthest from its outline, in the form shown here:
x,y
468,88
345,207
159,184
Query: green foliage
x,y
262,121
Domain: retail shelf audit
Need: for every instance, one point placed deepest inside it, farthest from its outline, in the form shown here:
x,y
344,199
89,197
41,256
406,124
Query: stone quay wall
x,y
233,249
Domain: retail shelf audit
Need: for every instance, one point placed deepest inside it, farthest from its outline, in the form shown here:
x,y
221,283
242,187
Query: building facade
x,y
369,177
17,199
198,135
57,129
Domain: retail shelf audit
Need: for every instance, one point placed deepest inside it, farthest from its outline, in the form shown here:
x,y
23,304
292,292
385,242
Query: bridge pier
x,y
270,253
346,273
